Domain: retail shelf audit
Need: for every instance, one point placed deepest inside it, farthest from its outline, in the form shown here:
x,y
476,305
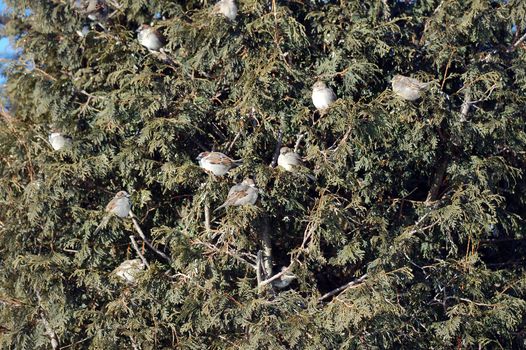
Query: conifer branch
x,y
518,42
138,251
148,243
342,288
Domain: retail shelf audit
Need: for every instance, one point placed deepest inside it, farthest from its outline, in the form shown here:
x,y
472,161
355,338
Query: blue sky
x,y
5,49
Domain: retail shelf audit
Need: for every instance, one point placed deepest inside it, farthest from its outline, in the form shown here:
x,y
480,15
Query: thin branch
x,y
148,243
466,106
342,288
138,251
49,330
276,276
518,42
298,141
437,182
207,215
276,150
266,243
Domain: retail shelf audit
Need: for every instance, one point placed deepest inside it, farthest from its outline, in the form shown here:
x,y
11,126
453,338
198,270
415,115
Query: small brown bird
x,y
244,193
291,161
119,206
59,141
217,163
129,270
96,10
285,280
409,89
150,38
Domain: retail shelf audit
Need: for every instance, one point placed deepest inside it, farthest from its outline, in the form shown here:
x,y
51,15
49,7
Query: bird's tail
x,y
237,162
102,224
220,207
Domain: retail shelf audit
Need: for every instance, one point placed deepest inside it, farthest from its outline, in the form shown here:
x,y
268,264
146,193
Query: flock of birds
x,y
217,163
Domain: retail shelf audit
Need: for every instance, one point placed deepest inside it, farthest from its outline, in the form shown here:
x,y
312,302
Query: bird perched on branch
x,y
59,141
322,96
129,270
95,10
409,89
119,206
150,38
284,280
291,161
217,163
226,8
245,193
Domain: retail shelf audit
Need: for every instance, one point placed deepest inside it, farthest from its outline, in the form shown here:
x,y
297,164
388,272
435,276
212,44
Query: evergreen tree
x,y
409,236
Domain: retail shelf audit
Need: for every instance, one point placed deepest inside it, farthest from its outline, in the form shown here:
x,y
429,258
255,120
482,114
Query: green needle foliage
x,y
415,225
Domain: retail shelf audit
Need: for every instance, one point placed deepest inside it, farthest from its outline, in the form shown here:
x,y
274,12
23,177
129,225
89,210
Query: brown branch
x,y
266,244
148,243
138,251
437,182
342,288
276,150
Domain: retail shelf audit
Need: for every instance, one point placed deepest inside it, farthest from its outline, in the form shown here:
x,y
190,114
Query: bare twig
x,y
148,243
518,42
138,251
277,276
49,330
298,141
437,182
276,150
342,288
207,215
266,243
466,106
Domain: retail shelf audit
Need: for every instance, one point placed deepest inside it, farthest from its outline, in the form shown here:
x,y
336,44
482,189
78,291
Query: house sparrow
x,y
244,193
119,205
284,280
150,38
95,10
227,8
217,163
128,270
409,89
291,161
322,96
59,141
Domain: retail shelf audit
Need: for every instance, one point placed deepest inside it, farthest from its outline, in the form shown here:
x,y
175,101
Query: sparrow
x,y
291,161
409,89
96,10
322,96
150,38
227,8
59,141
119,206
217,163
284,280
245,193
128,270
